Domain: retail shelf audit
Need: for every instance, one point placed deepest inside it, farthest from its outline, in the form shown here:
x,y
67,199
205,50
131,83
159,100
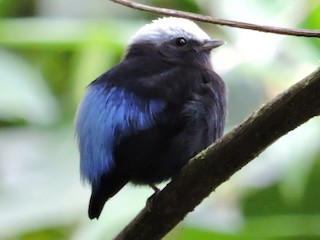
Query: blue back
x,y
104,119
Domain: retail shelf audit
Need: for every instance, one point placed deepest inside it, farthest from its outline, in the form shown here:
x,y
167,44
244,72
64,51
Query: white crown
x,y
164,29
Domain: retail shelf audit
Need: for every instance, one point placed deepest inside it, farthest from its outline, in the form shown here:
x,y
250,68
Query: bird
x,y
142,120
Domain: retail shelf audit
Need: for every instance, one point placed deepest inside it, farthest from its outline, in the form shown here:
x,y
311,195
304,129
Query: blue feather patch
x,y
104,118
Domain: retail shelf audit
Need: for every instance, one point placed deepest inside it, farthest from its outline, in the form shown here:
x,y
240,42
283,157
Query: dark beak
x,y
211,44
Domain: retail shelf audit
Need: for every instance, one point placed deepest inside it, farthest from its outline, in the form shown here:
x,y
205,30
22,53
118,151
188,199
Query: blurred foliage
x,y
183,5
46,234
24,8
50,50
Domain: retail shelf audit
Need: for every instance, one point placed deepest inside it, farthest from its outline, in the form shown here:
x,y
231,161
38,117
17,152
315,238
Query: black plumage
x,y
172,81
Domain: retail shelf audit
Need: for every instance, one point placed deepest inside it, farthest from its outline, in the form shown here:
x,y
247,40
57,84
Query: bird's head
x,y
175,40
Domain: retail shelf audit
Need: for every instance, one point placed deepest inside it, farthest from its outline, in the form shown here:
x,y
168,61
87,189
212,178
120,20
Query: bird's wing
x,y
105,117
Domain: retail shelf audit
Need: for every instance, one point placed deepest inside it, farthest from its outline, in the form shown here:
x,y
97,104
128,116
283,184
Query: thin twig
x,y
208,19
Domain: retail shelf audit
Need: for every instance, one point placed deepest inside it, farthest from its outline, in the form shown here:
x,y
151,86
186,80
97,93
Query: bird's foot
x,y
151,199
154,187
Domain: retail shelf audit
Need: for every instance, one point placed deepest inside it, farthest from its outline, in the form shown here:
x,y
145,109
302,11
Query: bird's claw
x,y
151,199
154,187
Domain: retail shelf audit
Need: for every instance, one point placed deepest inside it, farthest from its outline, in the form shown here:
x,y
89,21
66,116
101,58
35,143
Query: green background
x,y
51,49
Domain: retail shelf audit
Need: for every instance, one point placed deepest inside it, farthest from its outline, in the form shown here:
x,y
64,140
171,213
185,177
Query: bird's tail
x,y
106,189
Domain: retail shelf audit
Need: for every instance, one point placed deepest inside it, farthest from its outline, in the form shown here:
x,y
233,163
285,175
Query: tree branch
x,y
208,19
216,164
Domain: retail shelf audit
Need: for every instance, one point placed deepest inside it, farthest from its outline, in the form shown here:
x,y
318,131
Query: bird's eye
x,y
181,41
